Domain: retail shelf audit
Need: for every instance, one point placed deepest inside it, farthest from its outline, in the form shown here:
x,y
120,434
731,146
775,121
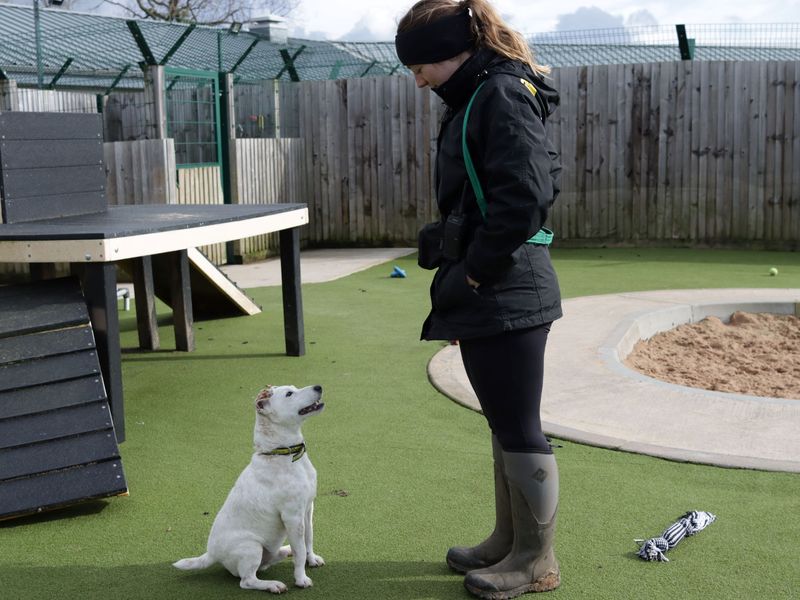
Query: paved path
x,y
590,397
316,266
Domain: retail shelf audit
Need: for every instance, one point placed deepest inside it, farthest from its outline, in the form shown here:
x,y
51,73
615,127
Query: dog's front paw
x,y
315,560
276,587
303,582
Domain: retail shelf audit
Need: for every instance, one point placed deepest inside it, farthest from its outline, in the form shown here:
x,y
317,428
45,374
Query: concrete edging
x,y
591,397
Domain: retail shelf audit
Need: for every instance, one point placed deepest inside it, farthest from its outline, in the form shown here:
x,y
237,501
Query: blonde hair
x,y
488,28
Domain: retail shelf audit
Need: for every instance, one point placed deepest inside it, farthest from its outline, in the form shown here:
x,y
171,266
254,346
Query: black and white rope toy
x,y
689,524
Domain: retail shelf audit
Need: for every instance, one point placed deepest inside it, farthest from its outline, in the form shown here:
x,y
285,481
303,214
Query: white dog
x,y
273,498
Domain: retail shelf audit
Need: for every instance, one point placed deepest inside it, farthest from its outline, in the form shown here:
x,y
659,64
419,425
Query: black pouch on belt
x,y
430,245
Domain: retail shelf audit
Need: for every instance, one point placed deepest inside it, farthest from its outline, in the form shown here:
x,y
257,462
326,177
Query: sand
x,y
757,354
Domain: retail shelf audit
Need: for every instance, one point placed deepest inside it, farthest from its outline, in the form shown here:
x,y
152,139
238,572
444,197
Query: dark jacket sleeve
x,y
518,170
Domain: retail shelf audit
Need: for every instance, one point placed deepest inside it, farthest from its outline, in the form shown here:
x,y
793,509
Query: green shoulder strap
x,y
543,236
473,176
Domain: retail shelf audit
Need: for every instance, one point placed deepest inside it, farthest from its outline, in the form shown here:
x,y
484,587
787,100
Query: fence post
x,y
154,82
276,114
8,94
227,138
37,33
685,44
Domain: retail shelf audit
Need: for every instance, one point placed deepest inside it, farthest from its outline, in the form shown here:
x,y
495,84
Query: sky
x,y
370,20
376,20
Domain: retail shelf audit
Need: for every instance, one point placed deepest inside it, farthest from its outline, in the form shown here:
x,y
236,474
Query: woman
x,y
495,289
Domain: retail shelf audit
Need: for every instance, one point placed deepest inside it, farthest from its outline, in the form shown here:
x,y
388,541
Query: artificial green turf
x,y
403,471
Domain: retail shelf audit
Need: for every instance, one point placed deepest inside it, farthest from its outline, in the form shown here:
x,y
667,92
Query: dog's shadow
x,y
406,580
356,580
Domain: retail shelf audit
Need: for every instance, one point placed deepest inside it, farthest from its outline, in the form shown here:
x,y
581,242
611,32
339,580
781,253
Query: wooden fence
x,y
203,185
265,110
684,153
663,153
125,116
14,98
370,146
269,109
690,152
266,172
141,172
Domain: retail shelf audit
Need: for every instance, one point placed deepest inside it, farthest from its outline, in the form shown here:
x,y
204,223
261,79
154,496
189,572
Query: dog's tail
x,y
198,562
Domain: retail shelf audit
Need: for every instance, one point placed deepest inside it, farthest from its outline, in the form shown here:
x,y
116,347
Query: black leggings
x,y
506,371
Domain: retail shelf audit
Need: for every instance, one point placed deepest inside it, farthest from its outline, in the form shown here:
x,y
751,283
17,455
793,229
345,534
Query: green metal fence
x,y
192,107
663,43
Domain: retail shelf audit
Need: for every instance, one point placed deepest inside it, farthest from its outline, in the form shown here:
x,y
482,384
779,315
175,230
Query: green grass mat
x,y
403,472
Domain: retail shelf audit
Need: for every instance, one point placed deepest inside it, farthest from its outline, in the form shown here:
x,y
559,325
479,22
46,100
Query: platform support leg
x,y
42,271
100,291
181,288
145,297
293,326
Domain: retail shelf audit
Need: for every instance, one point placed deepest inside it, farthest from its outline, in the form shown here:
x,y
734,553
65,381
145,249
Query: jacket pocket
x,y
517,275
452,290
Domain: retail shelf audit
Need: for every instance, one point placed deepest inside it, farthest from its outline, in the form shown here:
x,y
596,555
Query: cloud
x,y
376,25
590,24
640,18
300,33
98,7
588,18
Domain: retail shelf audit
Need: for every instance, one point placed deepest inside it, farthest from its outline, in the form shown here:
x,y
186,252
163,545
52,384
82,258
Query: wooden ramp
x,y
57,441
214,295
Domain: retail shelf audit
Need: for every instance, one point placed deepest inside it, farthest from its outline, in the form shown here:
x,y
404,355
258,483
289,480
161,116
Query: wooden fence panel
x,y
267,171
141,172
203,185
256,110
671,152
370,146
665,153
34,100
791,171
687,158
125,116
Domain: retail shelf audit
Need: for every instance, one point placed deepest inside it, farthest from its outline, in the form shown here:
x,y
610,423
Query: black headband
x,y
435,41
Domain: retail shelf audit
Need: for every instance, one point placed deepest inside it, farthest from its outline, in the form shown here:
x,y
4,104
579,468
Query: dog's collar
x,y
296,451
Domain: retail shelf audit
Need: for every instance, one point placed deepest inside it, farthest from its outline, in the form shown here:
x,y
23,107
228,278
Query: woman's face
x,y
435,74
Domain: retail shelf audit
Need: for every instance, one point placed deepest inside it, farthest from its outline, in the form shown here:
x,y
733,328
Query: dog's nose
x,y
317,388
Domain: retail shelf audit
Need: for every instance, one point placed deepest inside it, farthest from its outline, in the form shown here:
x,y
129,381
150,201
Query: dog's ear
x,y
263,397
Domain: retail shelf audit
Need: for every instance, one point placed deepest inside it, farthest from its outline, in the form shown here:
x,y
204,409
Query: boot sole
x,y
463,570
456,567
546,583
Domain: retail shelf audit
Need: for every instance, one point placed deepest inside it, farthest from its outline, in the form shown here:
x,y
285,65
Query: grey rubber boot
x,y
531,565
494,548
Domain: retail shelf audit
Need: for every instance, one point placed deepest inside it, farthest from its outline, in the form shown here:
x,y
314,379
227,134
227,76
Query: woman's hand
x,y
472,283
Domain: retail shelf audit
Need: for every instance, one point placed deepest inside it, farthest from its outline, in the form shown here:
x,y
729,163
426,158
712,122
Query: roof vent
x,y
271,28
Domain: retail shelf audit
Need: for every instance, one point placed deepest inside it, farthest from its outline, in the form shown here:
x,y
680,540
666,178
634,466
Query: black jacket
x,y
519,171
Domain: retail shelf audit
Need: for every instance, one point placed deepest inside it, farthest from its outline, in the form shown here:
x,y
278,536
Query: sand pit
x,y
757,354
